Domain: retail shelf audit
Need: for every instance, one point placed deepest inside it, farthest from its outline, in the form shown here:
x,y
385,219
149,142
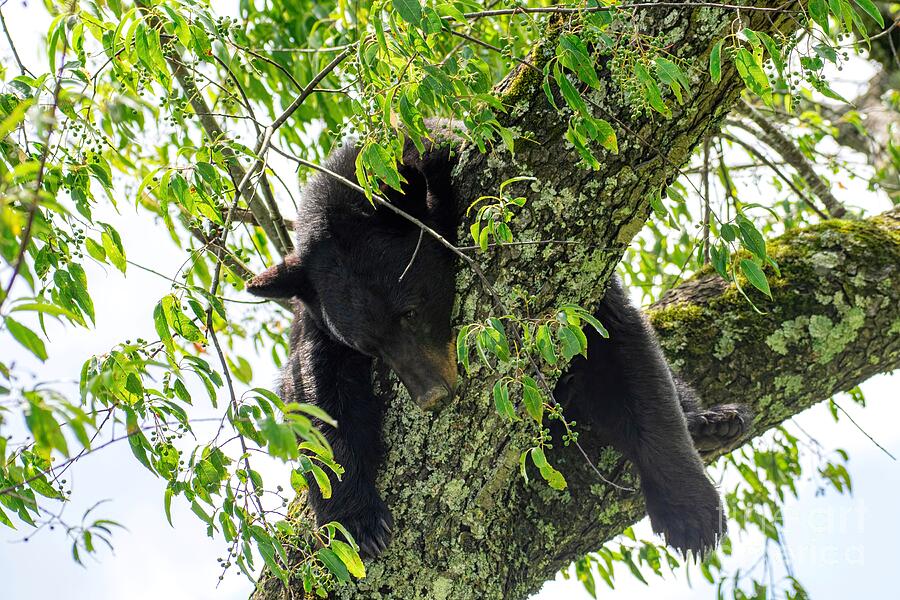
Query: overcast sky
x,y
840,545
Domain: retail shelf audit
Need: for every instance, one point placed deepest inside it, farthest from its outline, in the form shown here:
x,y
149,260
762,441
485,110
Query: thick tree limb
x,y
467,524
833,322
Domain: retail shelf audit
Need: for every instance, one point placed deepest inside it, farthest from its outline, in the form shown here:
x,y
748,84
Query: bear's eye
x,y
410,315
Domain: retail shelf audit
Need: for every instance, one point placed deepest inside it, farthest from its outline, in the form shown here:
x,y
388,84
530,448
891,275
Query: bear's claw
x,y
372,529
718,427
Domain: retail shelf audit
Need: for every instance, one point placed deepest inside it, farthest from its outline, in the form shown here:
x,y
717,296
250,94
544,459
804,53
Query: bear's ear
x,y
414,198
283,280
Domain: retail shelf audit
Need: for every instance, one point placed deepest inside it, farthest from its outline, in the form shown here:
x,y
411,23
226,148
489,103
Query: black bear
x,y
358,295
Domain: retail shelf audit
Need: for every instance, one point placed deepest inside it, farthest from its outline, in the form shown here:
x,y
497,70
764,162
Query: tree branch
x,y
777,141
256,204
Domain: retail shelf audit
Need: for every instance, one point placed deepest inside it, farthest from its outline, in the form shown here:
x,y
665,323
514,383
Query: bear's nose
x,y
434,397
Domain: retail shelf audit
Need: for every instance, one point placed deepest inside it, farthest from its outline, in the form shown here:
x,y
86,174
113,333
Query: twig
x,y
776,140
538,243
12,46
787,180
590,9
706,200
39,180
305,50
413,257
863,431
234,406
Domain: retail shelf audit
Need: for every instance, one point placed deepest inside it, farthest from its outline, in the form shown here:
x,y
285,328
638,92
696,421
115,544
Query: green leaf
x,y
606,135
162,328
715,62
268,546
43,488
381,162
659,208
719,257
729,232
281,439
756,276
595,323
333,563
571,346
241,369
573,54
310,409
818,10
462,347
553,477
751,71
298,482
531,396
5,520
349,557
545,344
501,400
570,94
178,321
114,250
409,10
870,9
76,282
44,428
27,338
774,51
137,440
15,117
322,480
751,238
651,91
228,528
670,74
95,250
167,504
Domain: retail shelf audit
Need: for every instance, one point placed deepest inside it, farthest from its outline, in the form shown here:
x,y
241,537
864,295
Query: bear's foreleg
x,y
337,379
624,391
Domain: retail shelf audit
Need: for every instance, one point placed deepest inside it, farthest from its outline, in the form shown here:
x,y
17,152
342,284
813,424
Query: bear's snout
x,y
434,398
429,375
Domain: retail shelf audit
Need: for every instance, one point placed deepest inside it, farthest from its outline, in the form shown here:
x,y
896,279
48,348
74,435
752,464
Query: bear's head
x,y
371,280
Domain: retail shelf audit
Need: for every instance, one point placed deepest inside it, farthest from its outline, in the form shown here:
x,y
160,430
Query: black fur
x,y
626,392
359,296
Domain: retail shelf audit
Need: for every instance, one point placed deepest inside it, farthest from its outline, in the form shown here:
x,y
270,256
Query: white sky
x,y
840,545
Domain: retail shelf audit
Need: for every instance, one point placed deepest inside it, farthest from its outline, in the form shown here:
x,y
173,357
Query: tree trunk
x,y
467,524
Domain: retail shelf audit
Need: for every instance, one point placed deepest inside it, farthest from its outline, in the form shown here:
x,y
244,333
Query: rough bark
x,y
833,322
467,524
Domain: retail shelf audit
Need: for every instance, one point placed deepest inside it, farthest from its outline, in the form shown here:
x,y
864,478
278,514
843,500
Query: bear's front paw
x,y
371,526
689,517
